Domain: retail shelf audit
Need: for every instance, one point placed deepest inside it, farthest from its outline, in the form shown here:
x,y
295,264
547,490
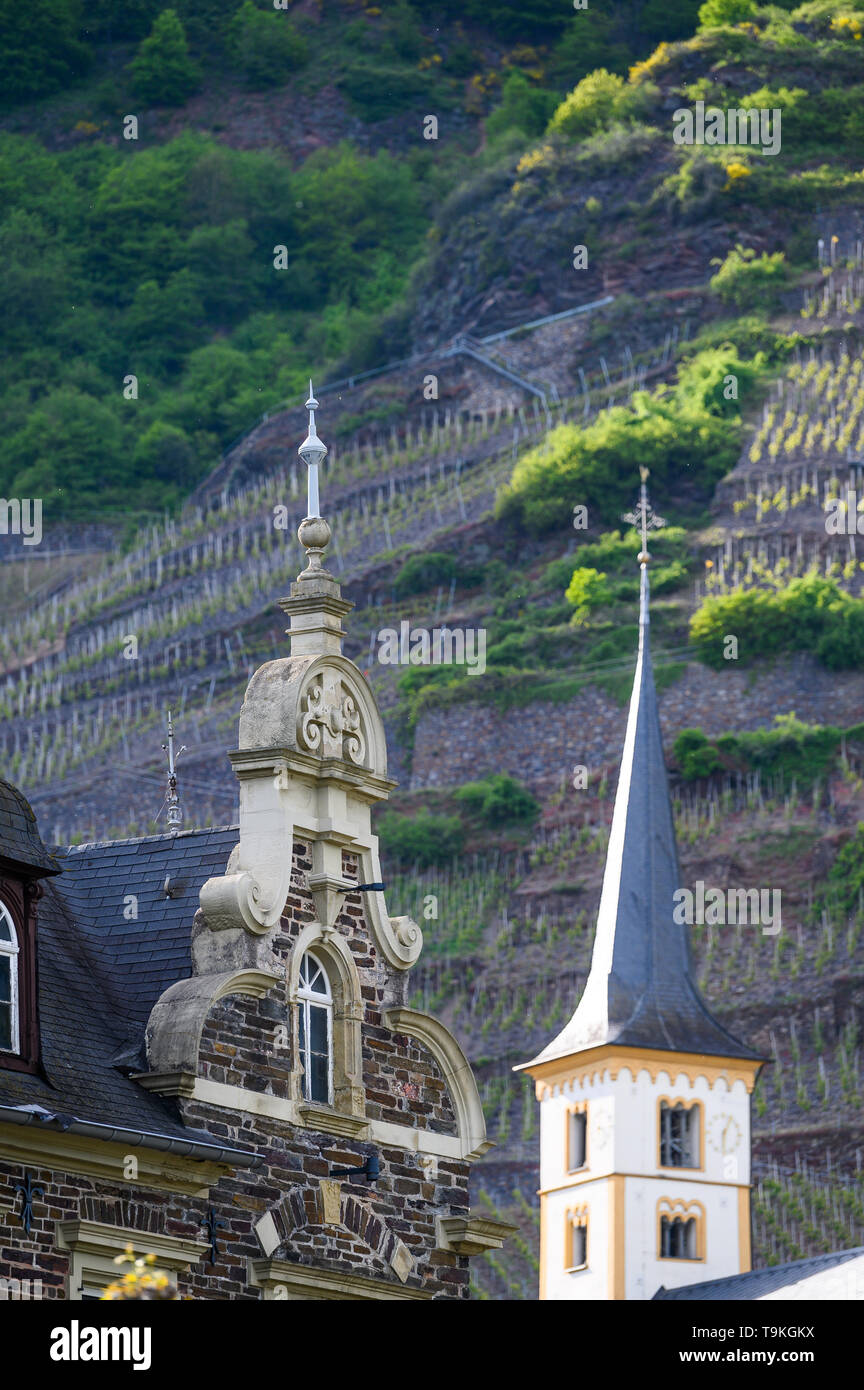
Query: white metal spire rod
x,y
312,452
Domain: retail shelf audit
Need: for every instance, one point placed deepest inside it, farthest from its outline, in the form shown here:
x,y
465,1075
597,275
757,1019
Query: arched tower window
x,y
9,990
315,1036
678,1238
576,1238
681,1229
680,1134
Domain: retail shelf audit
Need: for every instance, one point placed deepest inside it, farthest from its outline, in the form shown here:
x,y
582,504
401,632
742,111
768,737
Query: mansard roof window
x,y
9,983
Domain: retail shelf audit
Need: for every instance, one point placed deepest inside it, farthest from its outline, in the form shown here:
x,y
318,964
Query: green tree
x,y
586,591
714,14
168,316
745,278
72,452
523,107
265,45
594,39
423,839
165,453
34,291
593,103
421,572
41,48
499,800
695,756
162,71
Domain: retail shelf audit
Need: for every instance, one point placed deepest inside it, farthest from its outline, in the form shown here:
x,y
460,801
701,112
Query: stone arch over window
x,y
333,955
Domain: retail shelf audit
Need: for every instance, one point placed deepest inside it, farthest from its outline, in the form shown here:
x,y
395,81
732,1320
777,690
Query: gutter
x,y
133,1138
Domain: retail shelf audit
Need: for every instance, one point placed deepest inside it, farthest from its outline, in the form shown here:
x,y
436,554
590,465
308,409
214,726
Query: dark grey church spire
x,y
641,991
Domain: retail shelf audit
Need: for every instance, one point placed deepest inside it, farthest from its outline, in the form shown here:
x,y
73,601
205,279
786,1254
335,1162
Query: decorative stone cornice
x,y
472,1235
94,1158
167,1083
281,1279
99,1238
328,1121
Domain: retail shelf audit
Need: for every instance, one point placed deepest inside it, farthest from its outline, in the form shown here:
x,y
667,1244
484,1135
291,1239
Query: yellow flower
x,y
656,60
534,158
734,171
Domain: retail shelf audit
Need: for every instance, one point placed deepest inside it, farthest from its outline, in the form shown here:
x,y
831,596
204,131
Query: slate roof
x,y
760,1282
99,974
20,841
640,990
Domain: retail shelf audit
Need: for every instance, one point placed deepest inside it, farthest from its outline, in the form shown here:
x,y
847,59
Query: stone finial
x,y
314,532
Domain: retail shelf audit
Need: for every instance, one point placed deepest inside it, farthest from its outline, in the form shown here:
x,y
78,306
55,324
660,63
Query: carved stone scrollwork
x,y
330,721
406,931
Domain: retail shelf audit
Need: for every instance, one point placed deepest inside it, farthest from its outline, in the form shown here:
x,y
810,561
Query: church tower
x,y
645,1098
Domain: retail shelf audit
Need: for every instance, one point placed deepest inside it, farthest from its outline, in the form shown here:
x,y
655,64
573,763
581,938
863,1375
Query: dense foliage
x,y
423,839
810,613
499,800
690,431
801,752
160,265
133,259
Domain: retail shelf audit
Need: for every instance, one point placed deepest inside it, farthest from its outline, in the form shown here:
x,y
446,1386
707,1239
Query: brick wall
x,y
403,1086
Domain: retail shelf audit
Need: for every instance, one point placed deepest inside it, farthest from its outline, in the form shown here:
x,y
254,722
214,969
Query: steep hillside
x,y
487,405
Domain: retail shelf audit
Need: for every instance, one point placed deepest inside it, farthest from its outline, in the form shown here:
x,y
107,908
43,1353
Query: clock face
x,y
600,1133
724,1133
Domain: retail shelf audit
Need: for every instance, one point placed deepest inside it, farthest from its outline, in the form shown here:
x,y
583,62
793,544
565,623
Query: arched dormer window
x,y
315,1030
9,983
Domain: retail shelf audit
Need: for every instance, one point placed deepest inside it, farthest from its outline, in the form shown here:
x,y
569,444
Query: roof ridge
x,y
142,839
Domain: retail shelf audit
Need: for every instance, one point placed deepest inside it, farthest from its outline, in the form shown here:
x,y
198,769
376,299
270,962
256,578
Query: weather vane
x,y
644,516
175,814
312,452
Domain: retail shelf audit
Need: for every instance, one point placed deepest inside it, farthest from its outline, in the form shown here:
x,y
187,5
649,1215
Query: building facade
x,y
201,1032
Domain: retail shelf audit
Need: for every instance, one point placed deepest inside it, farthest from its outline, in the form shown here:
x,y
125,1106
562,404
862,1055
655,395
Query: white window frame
x,y
306,998
12,952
